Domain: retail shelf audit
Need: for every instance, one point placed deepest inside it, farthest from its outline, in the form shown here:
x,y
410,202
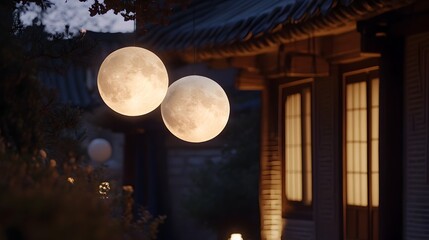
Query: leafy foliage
x,y
41,204
145,11
41,200
146,225
46,189
31,118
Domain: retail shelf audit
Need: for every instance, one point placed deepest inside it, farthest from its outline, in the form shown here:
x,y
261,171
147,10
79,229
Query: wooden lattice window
x,y
361,119
361,154
297,146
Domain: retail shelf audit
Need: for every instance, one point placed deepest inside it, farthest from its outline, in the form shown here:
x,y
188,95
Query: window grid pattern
x,y
308,196
356,144
298,157
293,144
375,109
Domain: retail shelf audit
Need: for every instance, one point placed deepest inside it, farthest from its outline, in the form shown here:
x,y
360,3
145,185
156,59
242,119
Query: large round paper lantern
x,y
195,109
99,150
132,81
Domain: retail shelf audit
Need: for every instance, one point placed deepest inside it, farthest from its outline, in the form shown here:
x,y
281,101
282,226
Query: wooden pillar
x,y
135,166
270,178
391,135
144,167
129,156
327,164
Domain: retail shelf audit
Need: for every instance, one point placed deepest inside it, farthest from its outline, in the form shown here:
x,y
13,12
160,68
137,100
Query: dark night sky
x,y
76,14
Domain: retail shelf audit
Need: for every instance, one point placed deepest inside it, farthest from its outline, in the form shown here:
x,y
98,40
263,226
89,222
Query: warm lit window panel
x,y
375,189
356,188
293,147
362,95
349,157
355,95
308,157
374,122
356,157
362,125
349,101
364,158
375,85
375,89
349,125
359,144
374,155
298,157
356,144
355,127
350,192
364,189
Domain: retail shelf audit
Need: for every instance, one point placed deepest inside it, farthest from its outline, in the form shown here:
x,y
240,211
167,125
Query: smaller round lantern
x,y
99,150
195,109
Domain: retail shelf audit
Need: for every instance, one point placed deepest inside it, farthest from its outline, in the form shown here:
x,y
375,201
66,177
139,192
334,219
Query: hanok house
x,y
345,83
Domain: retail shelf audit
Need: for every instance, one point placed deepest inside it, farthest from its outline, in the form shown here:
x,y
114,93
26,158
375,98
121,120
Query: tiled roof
x,y
229,27
74,80
72,85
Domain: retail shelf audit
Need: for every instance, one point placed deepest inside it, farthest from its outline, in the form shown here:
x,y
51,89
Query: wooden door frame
x,y
367,69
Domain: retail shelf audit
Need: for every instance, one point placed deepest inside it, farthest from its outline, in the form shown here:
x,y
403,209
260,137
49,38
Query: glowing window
x,y
357,148
375,108
298,177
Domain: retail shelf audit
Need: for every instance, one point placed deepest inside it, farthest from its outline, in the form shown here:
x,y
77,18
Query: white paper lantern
x,y
236,236
195,109
99,150
132,81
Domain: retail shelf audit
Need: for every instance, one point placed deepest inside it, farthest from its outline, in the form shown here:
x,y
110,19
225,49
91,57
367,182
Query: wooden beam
x,y
292,64
250,81
298,65
309,57
268,63
247,62
220,63
352,57
345,48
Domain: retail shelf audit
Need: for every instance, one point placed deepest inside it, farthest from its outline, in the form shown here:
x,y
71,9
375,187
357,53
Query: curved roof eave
x,y
253,34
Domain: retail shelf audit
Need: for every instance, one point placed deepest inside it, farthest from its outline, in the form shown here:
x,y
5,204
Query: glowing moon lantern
x,y
132,81
99,150
195,109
